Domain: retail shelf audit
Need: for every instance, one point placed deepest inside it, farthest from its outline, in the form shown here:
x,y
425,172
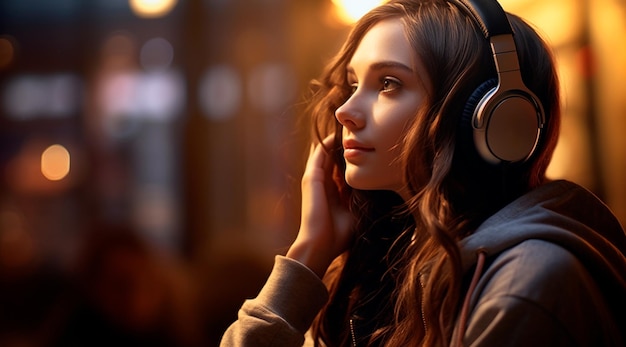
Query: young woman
x,y
426,209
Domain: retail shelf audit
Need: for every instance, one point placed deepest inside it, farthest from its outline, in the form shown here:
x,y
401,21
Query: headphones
x,y
506,117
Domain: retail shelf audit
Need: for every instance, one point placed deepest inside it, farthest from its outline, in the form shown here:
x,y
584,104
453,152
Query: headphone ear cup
x,y
502,126
473,101
466,130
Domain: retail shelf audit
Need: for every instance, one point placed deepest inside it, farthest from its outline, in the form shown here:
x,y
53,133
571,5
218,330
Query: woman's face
x,y
387,92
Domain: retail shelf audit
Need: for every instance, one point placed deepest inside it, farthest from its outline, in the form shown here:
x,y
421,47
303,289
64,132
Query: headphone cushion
x,y
465,137
472,102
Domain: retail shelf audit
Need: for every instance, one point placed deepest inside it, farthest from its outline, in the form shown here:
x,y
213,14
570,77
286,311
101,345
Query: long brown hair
x,y
401,281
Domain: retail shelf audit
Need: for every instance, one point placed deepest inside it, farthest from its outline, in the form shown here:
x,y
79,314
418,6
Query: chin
x,y
355,184
362,184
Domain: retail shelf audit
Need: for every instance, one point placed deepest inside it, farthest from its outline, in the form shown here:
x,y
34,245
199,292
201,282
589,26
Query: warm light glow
x,y
271,86
555,20
152,8
349,11
507,4
7,51
55,162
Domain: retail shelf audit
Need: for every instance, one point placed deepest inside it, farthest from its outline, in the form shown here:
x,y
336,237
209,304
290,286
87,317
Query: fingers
x,y
328,143
318,157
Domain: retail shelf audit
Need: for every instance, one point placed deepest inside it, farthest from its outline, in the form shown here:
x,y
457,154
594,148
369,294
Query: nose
x,y
350,115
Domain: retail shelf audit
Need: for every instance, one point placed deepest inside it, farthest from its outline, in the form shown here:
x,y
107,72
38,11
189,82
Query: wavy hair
x,y
401,281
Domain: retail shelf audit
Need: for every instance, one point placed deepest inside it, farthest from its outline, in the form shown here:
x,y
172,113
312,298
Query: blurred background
x,y
150,152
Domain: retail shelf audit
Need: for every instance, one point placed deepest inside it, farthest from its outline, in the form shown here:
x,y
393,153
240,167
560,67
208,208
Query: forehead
x,y
384,41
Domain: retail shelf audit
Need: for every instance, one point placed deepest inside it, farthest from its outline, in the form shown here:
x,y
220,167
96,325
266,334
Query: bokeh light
x,y
220,92
349,11
271,86
152,8
118,50
7,51
55,162
156,54
28,96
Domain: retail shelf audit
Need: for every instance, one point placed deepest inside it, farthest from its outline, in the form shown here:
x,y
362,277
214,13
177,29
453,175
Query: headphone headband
x,y
489,15
505,116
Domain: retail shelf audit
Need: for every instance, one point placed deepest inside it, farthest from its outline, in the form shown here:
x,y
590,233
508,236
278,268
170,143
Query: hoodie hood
x,y
565,214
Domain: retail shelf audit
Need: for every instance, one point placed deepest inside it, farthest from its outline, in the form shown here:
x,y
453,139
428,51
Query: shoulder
x,y
537,293
534,270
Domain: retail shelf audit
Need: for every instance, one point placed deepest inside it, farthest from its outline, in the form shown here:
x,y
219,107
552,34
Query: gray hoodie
x,y
553,274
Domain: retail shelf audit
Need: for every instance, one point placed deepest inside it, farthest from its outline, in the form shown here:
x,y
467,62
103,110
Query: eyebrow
x,y
380,65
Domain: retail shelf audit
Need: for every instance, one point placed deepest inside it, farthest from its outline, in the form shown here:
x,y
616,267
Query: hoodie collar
x,y
561,212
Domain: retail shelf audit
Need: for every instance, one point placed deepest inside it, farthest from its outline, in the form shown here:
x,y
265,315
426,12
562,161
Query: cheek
x,y
393,126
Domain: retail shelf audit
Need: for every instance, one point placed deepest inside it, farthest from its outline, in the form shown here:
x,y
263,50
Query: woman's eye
x,y
390,84
353,87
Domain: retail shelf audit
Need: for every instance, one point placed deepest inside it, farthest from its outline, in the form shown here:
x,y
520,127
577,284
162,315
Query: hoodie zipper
x,y
421,282
420,279
352,333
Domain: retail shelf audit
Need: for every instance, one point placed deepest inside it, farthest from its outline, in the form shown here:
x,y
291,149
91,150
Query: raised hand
x,y
326,224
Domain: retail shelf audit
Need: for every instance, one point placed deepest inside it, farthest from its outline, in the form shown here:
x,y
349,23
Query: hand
x,y
326,227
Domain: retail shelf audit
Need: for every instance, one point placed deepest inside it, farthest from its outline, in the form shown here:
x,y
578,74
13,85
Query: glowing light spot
x,y
119,51
220,92
349,11
156,54
271,86
152,8
55,162
7,51
36,96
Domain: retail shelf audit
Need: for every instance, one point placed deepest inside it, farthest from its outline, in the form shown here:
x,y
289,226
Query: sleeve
x,y
282,312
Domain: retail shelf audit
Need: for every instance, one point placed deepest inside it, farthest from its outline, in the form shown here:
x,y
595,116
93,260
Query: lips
x,y
353,149
350,144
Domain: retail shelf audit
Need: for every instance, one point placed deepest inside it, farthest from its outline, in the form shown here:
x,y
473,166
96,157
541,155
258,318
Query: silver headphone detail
x,y
506,117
